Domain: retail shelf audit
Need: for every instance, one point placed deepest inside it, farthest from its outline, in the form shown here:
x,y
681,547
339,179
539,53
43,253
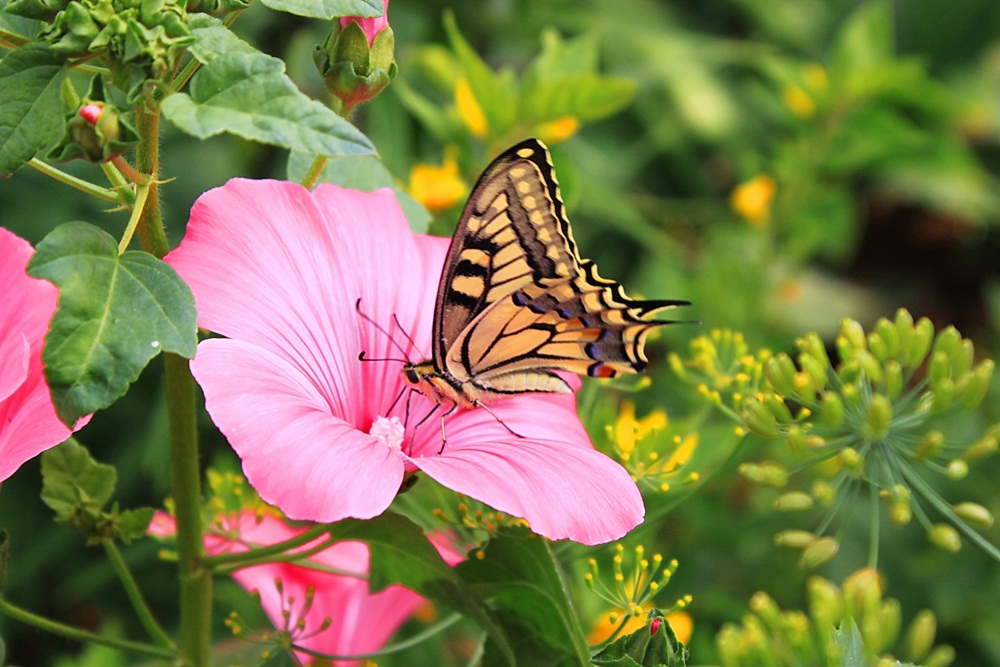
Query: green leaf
x,y
401,553
327,9
73,483
588,97
4,563
213,39
496,94
19,26
560,58
644,648
31,114
115,314
133,524
533,605
866,40
41,10
365,173
250,95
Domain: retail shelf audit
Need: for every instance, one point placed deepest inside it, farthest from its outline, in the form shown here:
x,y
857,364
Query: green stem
x,y
121,185
395,648
142,610
133,221
244,558
76,634
195,635
74,182
195,579
315,169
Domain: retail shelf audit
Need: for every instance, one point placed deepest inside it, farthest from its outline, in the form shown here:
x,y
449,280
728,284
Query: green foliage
x,y
77,488
116,312
518,573
652,645
29,118
327,9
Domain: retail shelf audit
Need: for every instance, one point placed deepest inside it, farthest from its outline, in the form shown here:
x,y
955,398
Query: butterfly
x,y
516,303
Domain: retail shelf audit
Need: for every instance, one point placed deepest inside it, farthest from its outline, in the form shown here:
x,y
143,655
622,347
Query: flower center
x,y
388,431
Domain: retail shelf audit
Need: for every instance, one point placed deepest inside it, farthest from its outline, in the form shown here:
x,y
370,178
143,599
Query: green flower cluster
x,y
848,625
142,40
884,410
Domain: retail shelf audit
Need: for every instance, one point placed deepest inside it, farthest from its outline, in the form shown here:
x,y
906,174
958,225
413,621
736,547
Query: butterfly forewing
x,y
516,302
511,233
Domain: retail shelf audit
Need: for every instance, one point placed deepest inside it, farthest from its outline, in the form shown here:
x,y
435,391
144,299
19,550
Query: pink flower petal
x,y
295,452
28,421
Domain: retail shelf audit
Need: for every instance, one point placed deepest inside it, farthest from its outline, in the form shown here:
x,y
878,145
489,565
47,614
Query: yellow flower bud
x,y
920,636
975,514
819,552
944,536
957,469
878,417
793,501
980,449
941,656
920,345
796,539
752,200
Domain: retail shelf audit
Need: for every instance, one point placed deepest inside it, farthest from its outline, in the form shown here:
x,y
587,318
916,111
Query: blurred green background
x,y
780,163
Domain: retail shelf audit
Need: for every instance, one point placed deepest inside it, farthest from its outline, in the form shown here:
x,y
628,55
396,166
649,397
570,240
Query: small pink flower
x,y
370,26
28,421
277,270
359,622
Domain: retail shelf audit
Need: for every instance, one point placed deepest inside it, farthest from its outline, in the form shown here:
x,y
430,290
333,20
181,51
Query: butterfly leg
x,y
444,436
413,433
497,417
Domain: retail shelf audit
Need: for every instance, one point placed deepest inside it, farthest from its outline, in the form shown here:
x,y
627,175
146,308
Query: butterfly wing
x,y
512,232
516,302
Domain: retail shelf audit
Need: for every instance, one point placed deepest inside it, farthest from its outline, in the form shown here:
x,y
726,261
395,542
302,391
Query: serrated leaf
x,y
74,483
31,114
326,9
520,575
213,39
250,95
115,314
588,97
132,524
401,553
365,173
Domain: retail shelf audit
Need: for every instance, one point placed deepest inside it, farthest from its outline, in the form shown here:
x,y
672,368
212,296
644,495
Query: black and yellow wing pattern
x,y
516,302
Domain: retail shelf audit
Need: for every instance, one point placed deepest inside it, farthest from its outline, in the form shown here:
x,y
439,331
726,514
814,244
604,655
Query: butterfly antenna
x,y
403,331
382,330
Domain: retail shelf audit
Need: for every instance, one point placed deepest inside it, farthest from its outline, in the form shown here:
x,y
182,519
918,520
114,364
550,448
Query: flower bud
x,y
356,61
877,346
816,370
900,510
893,379
930,446
940,369
941,656
870,365
943,396
920,636
978,384
96,131
949,341
904,332
826,603
944,536
780,372
923,335
824,492
878,417
778,408
831,411
768,472
980,449
811,345
793,501
957,469
819,552
796,539
975,514
890,337
853,334
759,420
851,460
676,365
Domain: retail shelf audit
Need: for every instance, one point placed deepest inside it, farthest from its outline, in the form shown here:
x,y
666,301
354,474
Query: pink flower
x,y
278,270
370,26
338,576
28,421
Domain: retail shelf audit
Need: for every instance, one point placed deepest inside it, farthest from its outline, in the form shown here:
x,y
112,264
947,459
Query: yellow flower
x,y
628,430
680,622
438,188
469,110
558,130
752,200
798,101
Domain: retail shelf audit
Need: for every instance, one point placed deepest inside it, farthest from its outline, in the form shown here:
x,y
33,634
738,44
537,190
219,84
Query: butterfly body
x,y
516,303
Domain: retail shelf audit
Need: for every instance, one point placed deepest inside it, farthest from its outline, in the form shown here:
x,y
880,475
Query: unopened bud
x,y
975,514
877,347
795,539
819,552
893,379
853,334
889,335
826,603
920,636
945,537
778,408
984,447
824,492
957,469
930,446
759,420
977,384
850,459
904,332
941,656
940,369
768,472
831,412
780,372
793,501
878,417
923,335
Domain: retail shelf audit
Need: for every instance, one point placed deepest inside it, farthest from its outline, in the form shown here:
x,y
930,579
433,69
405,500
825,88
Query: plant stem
x,y
142,610
70,632
133,221
315,169
251,556
74,182
195,636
